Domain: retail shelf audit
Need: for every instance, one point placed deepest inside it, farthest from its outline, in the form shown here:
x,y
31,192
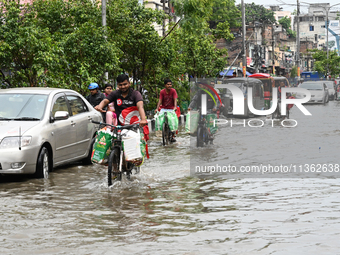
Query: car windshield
x,y
22,106
311,86
330,85
236,84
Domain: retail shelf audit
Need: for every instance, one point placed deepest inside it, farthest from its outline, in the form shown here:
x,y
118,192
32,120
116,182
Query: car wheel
x,y
87,160
43,164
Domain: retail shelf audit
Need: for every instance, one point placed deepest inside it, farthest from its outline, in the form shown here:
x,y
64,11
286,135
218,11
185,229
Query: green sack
x,y
210,119
101,147
172,121
159,120
191,123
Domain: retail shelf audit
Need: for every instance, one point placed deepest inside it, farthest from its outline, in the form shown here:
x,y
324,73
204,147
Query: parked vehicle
x,y
332,93
279,80
244,84
311,76
41,128
318,90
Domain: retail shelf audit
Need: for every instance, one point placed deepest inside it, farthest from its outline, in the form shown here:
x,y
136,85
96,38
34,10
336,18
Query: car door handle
x,y
89,118
73,124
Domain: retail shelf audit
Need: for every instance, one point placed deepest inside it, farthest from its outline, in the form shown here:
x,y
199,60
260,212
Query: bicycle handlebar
x,y
118,127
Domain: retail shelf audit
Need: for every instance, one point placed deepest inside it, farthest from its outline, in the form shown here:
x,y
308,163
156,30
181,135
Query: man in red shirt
x,y
168,100
167,97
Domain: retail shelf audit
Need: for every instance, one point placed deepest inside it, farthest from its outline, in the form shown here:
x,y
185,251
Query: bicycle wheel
x,y
113,166
165,134
205,135
199,137
276,114
287,113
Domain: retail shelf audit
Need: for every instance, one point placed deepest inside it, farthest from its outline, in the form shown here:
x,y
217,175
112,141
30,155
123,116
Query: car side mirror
x,y
61,115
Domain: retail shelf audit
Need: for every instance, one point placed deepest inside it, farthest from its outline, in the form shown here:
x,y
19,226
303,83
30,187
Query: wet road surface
x,y
165,210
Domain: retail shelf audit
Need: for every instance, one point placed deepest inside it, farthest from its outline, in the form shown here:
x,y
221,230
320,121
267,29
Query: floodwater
x,y
167,210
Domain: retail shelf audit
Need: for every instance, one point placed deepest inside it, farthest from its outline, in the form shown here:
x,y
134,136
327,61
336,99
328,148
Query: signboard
x,y
248,61
332,40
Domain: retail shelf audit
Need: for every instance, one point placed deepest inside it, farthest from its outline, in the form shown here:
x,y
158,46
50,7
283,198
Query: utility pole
x,y
106,74
164,18
273,47
244,59
298,40
327,25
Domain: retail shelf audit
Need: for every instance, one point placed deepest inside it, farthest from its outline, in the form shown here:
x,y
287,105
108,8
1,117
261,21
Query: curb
x,y
151,122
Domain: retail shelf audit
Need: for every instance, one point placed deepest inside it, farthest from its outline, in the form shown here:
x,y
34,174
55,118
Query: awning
x,y
231,72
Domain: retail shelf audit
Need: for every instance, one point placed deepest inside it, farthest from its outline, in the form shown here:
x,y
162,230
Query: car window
x,y
59,105
16,106
77,105
312,86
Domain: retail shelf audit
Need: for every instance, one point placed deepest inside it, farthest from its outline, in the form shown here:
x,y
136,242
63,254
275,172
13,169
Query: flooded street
x,y
167,210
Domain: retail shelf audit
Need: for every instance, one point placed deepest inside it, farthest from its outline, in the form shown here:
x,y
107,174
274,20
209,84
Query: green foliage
x,y
59,43
293,72
285,22
259,13
224,11
321,64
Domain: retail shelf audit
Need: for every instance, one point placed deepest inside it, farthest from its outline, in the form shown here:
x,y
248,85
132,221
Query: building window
x,y
311,28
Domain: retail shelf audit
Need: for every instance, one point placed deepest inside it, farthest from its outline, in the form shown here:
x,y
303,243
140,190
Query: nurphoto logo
x,y
238,103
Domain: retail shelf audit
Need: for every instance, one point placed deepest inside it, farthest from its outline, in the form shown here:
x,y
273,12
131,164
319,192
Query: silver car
x,y
41,128
318,90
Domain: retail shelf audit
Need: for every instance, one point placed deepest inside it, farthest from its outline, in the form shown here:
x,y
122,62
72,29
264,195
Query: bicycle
x,y
117,165
277,113
167,134
202,131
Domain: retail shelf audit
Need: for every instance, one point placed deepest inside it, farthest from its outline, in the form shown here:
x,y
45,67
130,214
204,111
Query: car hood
x,y
317,92
11,128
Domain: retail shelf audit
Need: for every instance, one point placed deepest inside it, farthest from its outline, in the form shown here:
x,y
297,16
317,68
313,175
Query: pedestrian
x,y
96,97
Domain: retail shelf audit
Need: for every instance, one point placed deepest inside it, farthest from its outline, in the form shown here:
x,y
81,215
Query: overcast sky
x,y
292,4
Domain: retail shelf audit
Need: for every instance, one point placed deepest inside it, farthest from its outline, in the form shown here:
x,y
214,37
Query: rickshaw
x,y
279,80
268,84
243,84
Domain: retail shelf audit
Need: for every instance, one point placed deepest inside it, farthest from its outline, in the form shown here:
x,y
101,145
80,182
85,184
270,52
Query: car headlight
x,y
14,142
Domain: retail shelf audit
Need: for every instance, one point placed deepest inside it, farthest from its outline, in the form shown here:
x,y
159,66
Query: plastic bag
x,y
191,123
133,145
159,120
172,121
210,119
101,147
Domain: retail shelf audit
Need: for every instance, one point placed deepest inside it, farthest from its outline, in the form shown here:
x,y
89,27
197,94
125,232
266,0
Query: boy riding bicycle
x,y
212,104
167,100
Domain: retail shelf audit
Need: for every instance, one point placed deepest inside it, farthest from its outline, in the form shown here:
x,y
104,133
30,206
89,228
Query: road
x,y
168,210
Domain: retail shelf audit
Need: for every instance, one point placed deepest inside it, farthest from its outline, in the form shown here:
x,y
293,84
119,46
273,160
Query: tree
x,y
293,72
259,13
25,48
285,22
321,64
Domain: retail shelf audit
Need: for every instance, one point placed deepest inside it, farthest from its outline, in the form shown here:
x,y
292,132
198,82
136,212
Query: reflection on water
x,y
165,211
